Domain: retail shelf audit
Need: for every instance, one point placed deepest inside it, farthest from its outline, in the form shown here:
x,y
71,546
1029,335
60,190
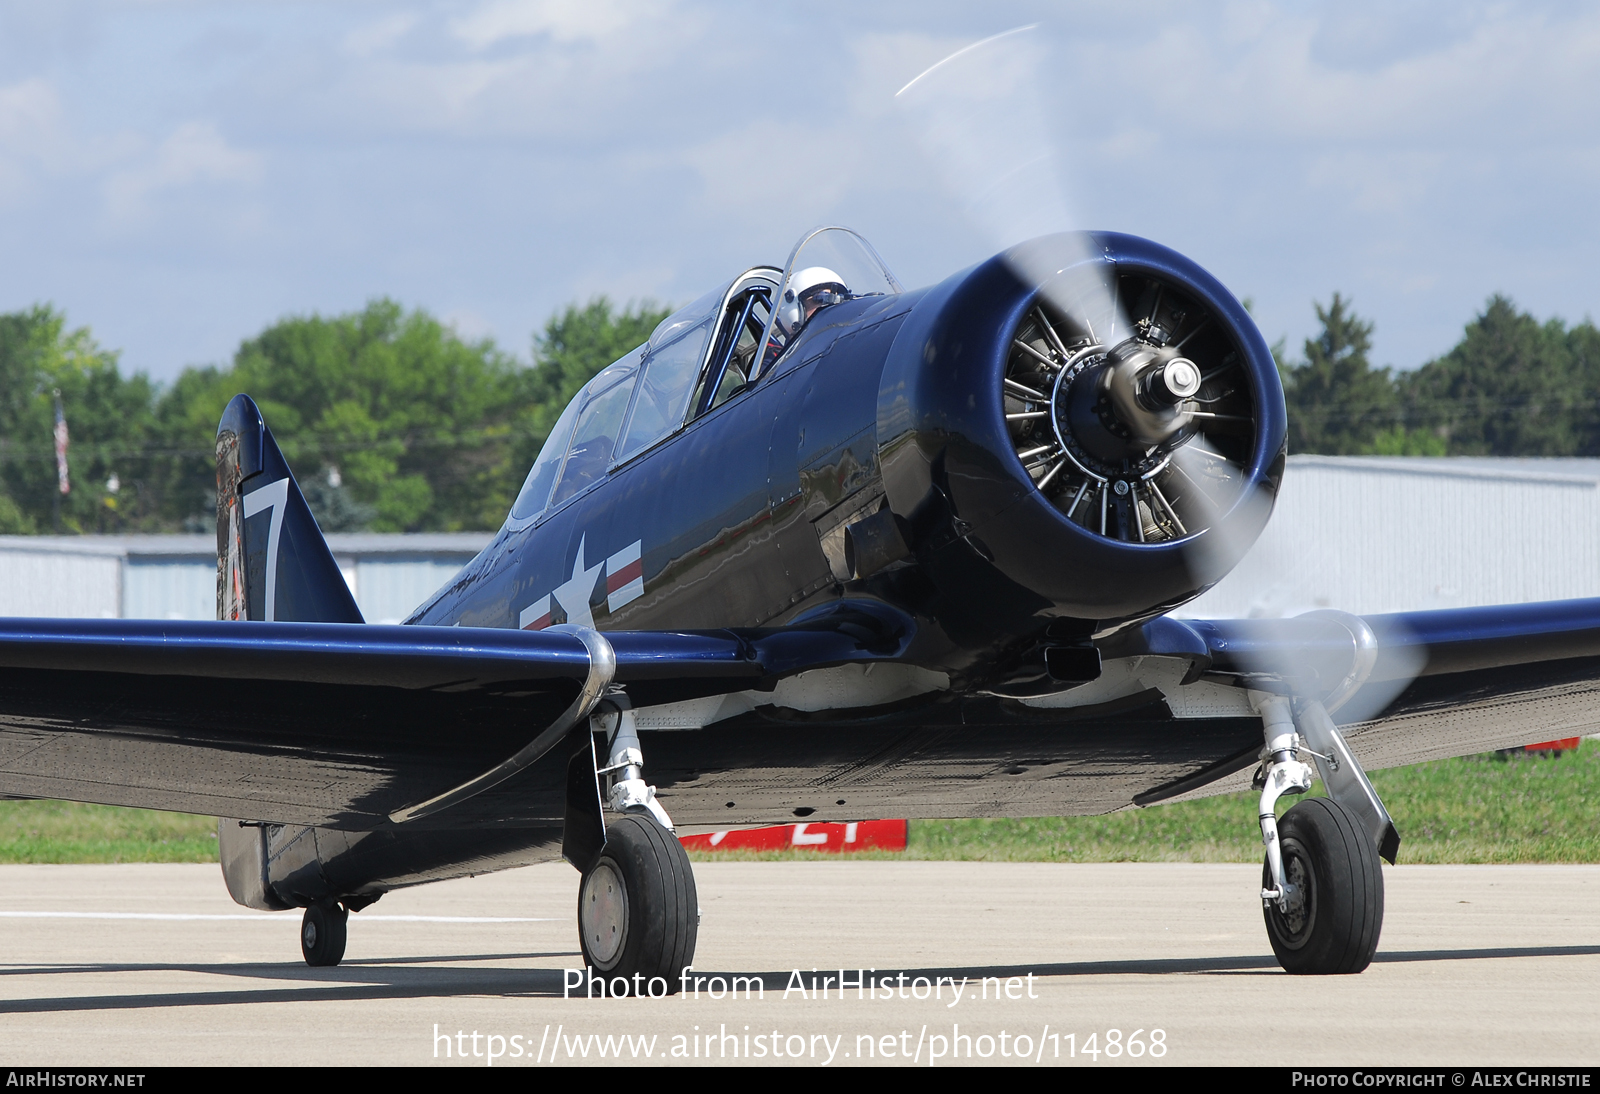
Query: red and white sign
x,y
1566,744
878,835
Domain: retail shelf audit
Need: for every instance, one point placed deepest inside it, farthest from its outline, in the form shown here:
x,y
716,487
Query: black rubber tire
x,y
662,919
1328,851
323,932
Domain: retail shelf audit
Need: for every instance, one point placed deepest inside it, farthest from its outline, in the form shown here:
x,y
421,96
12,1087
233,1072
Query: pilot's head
x,y
811,288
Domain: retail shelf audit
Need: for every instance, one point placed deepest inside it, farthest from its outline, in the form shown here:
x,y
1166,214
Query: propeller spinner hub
x,y
1169,384
1137,438
1126,408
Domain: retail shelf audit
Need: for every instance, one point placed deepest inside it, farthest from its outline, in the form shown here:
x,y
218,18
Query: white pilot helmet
x,y
814,283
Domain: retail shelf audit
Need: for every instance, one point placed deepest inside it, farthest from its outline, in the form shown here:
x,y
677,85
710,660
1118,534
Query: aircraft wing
x,y
1414,686
320,723
352,726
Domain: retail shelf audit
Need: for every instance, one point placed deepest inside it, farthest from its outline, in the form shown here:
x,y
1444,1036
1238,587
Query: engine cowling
x,y
1054,470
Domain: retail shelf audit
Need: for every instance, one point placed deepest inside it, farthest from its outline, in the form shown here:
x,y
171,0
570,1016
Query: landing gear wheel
x,y
638,912
1336,911
323,933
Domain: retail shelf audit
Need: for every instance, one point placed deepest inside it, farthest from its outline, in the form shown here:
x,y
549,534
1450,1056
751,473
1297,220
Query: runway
x,y
153,964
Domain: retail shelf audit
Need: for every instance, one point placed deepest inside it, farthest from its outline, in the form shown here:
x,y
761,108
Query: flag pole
x,y
63,483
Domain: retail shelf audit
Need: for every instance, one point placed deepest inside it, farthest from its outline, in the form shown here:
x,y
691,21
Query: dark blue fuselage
x,y
888,403
724,507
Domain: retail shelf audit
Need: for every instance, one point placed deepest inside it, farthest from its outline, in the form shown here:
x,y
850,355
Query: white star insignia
x,y
573,595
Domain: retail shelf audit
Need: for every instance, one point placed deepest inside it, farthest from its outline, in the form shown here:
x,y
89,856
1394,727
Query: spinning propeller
x,y
1127,397
1124,397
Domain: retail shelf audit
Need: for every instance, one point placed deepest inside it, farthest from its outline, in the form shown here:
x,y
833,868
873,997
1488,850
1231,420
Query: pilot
x,y
810,290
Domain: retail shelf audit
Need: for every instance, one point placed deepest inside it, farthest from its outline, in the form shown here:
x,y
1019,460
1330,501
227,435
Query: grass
x,y
1490,808
50,831
1487,808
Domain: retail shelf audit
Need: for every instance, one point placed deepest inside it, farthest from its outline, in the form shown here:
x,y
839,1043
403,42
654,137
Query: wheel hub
x,y
604,916
1297,904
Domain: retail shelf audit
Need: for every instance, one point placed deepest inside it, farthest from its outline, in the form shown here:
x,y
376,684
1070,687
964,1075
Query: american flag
x,y
62,482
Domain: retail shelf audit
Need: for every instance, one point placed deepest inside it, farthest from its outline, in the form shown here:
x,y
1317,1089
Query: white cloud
x,y
557,70
379,35
193,153
1266,78
1417,156
38,144
30,121
469,324
27,110
564,21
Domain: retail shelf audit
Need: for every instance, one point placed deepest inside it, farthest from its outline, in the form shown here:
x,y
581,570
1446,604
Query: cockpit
x,y
697,360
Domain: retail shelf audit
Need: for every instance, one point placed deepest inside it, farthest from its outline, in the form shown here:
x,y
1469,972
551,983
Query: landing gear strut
x,y
323,933
638,911
1322,882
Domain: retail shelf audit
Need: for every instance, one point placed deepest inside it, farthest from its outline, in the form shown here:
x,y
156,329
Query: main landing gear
x,y
1330,920
638,912
323,931
1322,882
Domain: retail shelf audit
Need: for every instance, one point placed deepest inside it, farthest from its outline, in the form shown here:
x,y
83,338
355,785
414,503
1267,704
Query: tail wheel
x,y
1335,913
1137,434
638,911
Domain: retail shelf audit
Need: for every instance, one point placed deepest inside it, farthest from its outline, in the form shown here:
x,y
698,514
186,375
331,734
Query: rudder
x,y
272,562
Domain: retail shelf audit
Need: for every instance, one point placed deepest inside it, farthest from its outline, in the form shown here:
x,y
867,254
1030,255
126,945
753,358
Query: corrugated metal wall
x,y
1380,535
1362,534
175,577
169,588
51,579
388,587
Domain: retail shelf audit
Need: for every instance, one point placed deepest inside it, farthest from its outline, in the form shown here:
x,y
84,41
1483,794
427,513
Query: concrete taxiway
x,y
152,964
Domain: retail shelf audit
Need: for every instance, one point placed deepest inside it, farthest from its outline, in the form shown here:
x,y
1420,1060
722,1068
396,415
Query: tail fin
x,y
272,562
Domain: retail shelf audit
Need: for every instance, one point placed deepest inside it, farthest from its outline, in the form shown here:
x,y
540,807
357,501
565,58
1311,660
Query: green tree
x,y
1338,403
389,419
109,419
1511,387
411,422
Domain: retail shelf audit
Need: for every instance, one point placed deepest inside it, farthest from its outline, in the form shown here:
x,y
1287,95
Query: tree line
x,y
393,422
1512,386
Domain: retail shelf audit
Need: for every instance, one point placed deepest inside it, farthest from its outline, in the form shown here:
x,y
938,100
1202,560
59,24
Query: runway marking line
x,y
281,918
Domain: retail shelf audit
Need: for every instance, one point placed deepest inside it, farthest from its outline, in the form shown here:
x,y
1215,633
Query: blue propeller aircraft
x,y
821,548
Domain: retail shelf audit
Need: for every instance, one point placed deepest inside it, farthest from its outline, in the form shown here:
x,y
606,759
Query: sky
x,y
179,174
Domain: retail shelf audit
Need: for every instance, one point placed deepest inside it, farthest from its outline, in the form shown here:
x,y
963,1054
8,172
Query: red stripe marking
x,y
539,624
633,571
